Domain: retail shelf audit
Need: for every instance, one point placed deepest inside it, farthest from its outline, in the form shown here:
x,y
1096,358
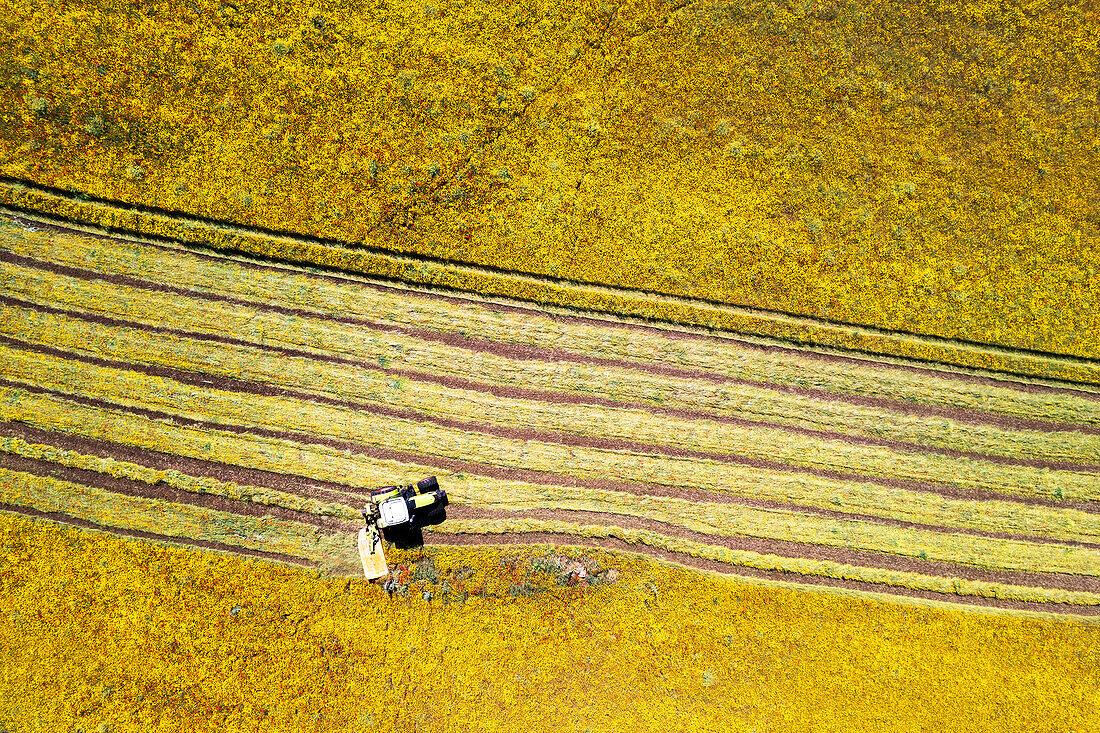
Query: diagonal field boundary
x,y
189,396
50,205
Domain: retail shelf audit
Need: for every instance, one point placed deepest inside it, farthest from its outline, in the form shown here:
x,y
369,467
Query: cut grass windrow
x,y
351,383
698,517
124,512
517,286
1001,554
801,566
329,338
177,480
327,297
110,509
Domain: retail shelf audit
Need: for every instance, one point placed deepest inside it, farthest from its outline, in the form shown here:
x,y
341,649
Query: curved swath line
x,y
321,490
861,589
132,487
114,509
791,550
505,474
520,351
253,231
681,413
488,310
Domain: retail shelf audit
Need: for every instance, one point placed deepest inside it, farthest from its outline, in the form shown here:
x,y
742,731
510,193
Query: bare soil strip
x,y
281,414
935,433
525,352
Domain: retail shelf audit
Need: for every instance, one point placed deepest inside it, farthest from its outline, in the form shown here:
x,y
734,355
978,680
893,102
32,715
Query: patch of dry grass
x,y
922,166
102,631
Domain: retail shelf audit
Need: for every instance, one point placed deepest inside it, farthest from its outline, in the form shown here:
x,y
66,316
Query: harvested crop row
x,y
109,509
702,518
594,421
534,289
626,385
350,299
118,511
294,416
176,479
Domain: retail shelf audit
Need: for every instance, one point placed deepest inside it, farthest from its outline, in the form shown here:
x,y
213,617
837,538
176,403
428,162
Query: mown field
x,y
182,397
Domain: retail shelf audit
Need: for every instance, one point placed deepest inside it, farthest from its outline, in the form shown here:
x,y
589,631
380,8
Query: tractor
x,y
398,514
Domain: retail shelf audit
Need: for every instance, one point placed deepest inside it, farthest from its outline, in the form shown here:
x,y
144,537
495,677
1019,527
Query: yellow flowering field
x,y
923,166
107,633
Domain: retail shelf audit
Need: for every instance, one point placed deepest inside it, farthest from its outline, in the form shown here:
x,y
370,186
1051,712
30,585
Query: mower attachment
x,y
371,553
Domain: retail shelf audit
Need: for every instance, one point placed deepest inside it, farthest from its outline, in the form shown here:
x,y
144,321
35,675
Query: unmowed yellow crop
x,y
106,633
